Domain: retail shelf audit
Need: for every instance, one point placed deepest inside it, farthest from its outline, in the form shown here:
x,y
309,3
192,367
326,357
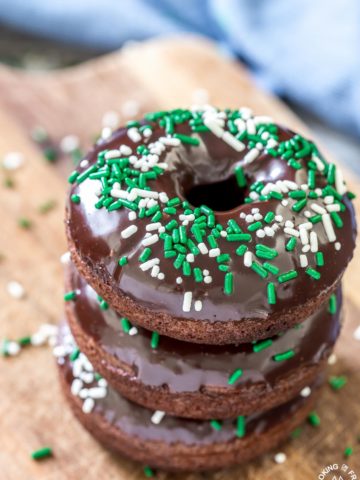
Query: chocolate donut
x,y
169,442
197,381
210,226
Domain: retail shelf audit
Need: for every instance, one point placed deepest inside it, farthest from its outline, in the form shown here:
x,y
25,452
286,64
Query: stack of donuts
x,y
203,294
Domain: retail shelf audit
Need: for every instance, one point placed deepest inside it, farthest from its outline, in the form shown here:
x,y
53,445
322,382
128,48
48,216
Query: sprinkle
x,y
284,356
332,359
314,419
329,230
216,425
240,177
332,308
235,376
125,324
291,244
271,293
229,283
303,261
150,240
123,261
337,382
318,209
69,143
198,305
356,333
88,405
248,259
291,231
348,452
313,273
233,142
285,277
314,242
75,198
15,290
149,264
42,453
259,346
148,472
70,296
305,392
129,231
155,337
240,426
157,417
280,458
25,223
12,161
187,301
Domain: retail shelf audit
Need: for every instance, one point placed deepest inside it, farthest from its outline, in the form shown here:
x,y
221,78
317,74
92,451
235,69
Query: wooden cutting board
x,y
157,74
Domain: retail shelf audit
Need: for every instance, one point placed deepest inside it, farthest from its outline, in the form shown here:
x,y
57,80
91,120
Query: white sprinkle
x,y
260,233
133,331
329,229
246,112
303,261
150,240
179,280
306,248
258,216
134,134
280,458
149,264
190,258
111,119
13,160
314,244
97,392
251,155
83,392
65,258
254,195
339,182
356,333
304,236
248,259
291,231
155,271
118,193
269,231
208,279
318,162
163,197
157,416
329,199
161,276
15,289
305,392
223,233
255,210
291,185
335,207
153,226
88,405
38,339
284,202
87,377
203,248
318,208
69,143
76,386
307,214
112,154
84,163
198,305
212,125
251,127
337,246
242,215
106,133
132,216
279,218
187,301
59,351
233,141
289,224
249,218
125,150
304,187
12,348
129,231
333,359
170,141
214,252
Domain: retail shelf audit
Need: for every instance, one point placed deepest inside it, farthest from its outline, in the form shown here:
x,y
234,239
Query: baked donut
x,y
166,442
210,226
199,381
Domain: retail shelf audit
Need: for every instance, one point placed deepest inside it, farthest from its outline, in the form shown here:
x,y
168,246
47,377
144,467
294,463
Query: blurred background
x,y
305,51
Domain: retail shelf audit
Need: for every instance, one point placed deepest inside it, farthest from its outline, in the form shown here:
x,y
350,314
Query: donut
x,y
166,442
199,381
210,226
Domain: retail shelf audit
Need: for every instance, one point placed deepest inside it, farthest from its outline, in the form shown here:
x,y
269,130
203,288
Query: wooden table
x,y
32,411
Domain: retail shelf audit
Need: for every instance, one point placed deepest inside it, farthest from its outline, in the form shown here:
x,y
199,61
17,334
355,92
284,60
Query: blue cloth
x,y
305,50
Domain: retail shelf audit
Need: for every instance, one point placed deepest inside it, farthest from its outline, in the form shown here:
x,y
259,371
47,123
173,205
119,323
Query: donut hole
x,y
219,196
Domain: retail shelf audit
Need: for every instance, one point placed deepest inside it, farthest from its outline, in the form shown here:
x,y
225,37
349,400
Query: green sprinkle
x,y
315,218
104,305
313,273
74,354
271,268
240,426
259,346
75,198
25,223
125,324
145,255
155,337
47,206
314,419
69,296
229,283
148,472
43,452
296,433
291,244
337,382
216,425
298,206
336,219
123,261
254,226
319,259
348,452
259,269
280,357
269,217
23,341
285,277
50,154
332,308
241,250
235,376
186,139
240,177
271,293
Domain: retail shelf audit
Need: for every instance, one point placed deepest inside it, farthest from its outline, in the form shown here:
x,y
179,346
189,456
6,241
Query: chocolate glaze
x,y
187,367
135,420
95,234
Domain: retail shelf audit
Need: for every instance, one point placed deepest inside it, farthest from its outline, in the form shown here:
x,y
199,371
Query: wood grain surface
x,y
32,411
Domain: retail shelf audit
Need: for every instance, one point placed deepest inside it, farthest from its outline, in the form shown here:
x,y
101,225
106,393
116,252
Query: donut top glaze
x,y
211,215
99,398
188,367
